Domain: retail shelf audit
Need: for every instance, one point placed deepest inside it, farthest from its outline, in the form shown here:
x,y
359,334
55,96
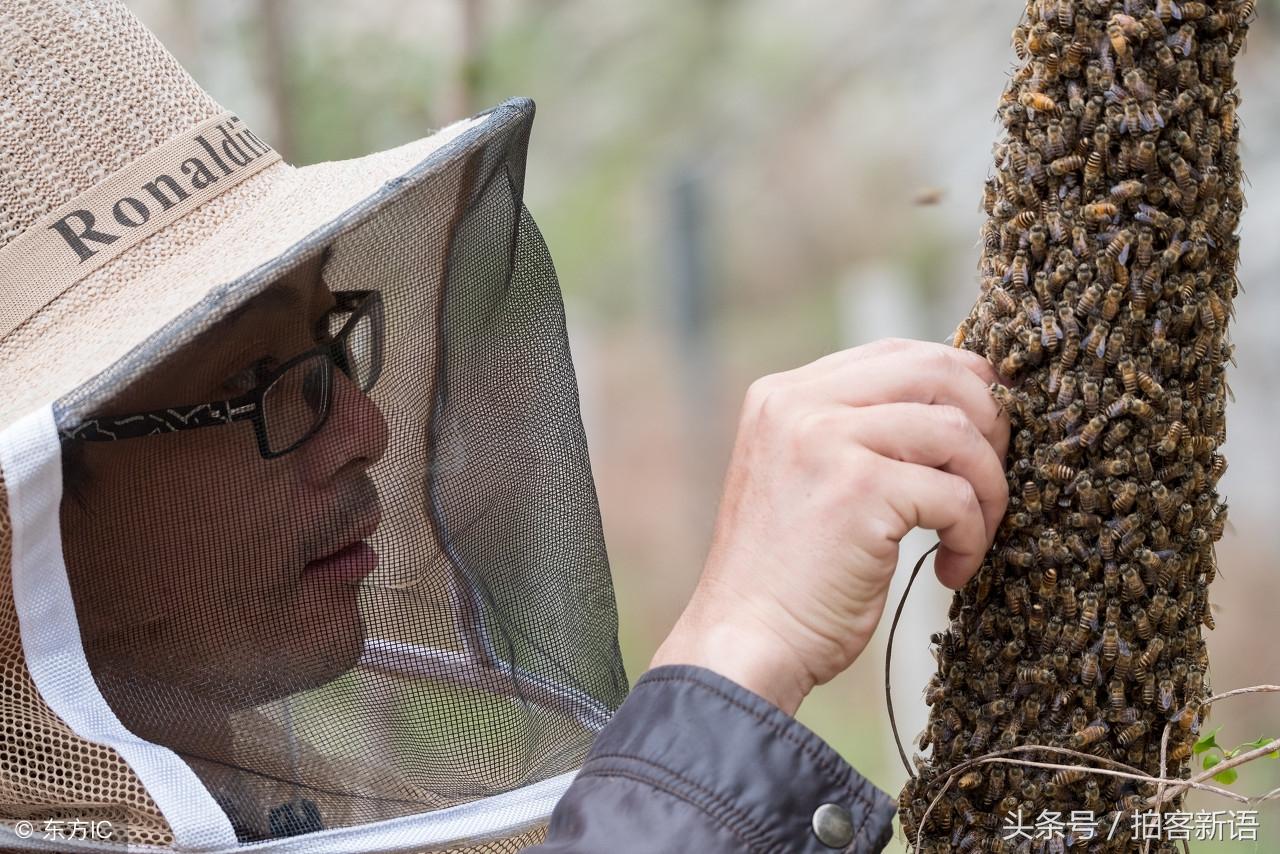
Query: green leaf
x,y
1228,777
1261,742
1211,760
1207,742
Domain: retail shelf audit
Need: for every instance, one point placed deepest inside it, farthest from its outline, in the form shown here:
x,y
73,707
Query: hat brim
x,y
151,300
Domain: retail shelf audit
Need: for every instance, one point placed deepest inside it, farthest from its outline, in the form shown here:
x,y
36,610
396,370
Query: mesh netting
x,y
341,553
37,743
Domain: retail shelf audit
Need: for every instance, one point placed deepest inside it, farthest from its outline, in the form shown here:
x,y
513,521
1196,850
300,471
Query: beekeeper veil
x,y
303,551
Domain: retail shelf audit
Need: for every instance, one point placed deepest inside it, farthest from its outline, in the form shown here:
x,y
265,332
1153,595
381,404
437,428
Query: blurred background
x,y
731,189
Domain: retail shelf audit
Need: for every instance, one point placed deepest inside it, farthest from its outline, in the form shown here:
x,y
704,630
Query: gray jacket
x,y
693,762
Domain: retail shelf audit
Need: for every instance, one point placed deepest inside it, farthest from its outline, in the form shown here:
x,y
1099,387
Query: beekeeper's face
x,y
199,565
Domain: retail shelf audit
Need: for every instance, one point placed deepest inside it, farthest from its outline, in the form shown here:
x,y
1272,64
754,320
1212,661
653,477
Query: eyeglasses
x,y
289,404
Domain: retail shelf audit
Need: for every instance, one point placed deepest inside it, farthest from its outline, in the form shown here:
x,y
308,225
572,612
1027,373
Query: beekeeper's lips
x,y
347,558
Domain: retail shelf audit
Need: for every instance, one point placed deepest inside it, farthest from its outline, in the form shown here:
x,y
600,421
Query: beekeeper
x,y
302,551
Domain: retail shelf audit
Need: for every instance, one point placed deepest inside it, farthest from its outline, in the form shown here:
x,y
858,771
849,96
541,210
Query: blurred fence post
x,y
690,306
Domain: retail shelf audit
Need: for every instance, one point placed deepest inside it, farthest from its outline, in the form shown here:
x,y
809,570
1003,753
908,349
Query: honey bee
x,y
1087,496
1171,440
1058,472
1115,696
1127,191
1031,496
1165,690
1110,645
1131,733
981,736
1035,675
1125,496
1119,39
1184,40
1091,734
1038,102
1088,302
1145,159
1063,166
1041,40
1022,221
1088,668
1149,655
1116,435
1133,587
1131,120
1101,211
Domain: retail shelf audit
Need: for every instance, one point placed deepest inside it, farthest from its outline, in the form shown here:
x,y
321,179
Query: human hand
x,y
833,464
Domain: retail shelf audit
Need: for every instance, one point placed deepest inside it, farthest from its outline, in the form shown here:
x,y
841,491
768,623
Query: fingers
x,y
940,437
918,375
931,498
903,347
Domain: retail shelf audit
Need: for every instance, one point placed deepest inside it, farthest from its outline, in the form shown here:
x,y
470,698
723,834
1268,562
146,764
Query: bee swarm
x,y
1108,279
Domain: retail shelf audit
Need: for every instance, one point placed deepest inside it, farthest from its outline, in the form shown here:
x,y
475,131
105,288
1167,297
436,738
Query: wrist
x,y
753,657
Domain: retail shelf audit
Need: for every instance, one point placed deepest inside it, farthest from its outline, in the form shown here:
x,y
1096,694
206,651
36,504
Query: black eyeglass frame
x,y
250,406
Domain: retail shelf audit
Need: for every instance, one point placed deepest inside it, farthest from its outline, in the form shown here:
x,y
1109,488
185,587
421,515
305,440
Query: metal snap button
x,y
833,825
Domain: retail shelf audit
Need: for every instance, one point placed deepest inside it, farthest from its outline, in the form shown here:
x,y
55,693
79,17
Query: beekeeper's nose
x,y
354,436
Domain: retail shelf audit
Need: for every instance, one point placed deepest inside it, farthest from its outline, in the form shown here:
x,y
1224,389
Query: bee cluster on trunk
x,y
1108,280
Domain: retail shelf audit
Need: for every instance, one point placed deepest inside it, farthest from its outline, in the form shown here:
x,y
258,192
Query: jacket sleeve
x,y
692,761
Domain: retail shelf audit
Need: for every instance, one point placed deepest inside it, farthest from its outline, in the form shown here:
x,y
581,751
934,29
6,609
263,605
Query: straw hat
x,y
129,198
